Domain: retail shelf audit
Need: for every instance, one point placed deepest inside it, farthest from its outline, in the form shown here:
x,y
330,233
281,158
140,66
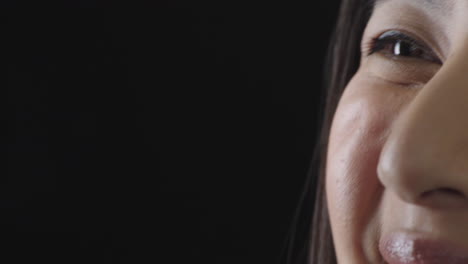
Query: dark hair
x,y
310,239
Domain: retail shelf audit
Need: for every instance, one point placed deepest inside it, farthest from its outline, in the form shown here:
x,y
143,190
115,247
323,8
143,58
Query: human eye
x,y
397,45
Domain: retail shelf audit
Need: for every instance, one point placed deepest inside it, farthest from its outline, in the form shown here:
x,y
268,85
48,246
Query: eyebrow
x,y
442,6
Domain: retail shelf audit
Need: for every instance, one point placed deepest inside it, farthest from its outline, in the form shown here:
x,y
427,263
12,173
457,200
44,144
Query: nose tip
x,y
417,180
423,194
394,176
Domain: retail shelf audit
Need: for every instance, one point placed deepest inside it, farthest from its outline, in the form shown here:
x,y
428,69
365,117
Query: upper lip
x,y
417,248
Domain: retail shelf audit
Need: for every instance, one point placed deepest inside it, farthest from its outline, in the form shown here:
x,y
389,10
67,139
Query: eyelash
x,y
393,38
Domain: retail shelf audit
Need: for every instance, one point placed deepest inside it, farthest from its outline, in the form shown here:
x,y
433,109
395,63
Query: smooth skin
x,y
398,149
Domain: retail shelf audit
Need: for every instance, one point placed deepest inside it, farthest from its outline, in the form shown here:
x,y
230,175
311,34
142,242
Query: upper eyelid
x,y
367,42
409,39
413,38
403,36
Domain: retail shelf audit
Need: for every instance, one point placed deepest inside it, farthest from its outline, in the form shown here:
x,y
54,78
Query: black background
x,y
181,132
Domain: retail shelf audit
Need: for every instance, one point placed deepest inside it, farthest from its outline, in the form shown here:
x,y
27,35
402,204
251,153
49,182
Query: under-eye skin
x,y
398,45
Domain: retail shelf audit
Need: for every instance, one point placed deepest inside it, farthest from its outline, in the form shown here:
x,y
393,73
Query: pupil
x,y
402,49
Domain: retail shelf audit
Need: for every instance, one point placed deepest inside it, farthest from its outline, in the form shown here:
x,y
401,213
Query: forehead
x,y
440,6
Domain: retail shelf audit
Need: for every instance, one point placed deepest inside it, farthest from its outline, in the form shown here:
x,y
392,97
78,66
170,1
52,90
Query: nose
x,y
425,157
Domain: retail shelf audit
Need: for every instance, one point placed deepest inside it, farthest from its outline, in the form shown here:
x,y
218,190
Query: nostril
x,y
444,198
446,191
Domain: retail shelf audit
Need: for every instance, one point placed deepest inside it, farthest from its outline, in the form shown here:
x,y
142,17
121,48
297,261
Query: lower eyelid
x,y
379,80
401,71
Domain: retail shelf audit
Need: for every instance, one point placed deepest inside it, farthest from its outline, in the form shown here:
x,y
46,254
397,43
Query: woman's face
x,y
397,163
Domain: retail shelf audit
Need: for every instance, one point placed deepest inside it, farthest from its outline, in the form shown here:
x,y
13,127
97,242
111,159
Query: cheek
x,y
361,123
